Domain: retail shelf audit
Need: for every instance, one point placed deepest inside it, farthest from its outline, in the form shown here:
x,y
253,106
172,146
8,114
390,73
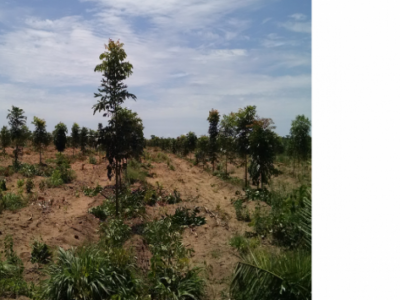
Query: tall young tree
x,y
213,119
202,149
300,139
75,138
263,144
5,138
244,119
17,121
83,139
191,140
112,94
60,136
40,138
226,137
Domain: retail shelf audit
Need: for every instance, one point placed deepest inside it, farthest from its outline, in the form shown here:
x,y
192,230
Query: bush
x,y
289,221
30,171
40,252
242,213
91,192
92,273
183,217
29,185
3,186
11,201
92,160
244,245
135,175
170,274
20,183
115,232
12,283
42,185
55,180
131,206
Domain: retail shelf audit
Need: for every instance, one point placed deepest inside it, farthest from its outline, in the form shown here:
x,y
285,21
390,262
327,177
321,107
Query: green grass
x,y
10,201
92,272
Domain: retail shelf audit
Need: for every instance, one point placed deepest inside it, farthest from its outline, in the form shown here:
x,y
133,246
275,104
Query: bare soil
x,y
60,215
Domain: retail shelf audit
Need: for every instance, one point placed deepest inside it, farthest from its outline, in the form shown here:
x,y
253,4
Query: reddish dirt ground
x,y
61,218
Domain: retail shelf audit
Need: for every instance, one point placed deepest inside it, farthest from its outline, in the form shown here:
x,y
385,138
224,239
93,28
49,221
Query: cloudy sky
x,y
188,57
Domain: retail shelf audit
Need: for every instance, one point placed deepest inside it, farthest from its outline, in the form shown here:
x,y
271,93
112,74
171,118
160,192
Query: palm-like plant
x,y
263,275
91,273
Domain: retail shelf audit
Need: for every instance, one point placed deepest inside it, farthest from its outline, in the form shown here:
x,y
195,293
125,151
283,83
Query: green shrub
x,y
183,217
288,221
12,283
242,213
115,232
55,180
42,185
29,185
6,171
170,274
131,206
12,202
173,198
3,186
99,212
40,252
92,160
29,171
92,273
135,175
242,244
91,192
20,183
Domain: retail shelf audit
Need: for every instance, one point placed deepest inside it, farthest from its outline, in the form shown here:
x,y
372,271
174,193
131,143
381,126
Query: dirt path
x,y
210,241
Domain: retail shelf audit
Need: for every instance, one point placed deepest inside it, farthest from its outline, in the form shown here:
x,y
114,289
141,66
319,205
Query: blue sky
x,y
188,57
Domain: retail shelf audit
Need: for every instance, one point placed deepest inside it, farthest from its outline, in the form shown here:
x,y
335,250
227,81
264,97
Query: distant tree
x,y
262,145
191,140
40,138
75,137
202,149
112,94
92,138
60,136
83,139
17,121
213,119
5,138
300,139
226,138
244,119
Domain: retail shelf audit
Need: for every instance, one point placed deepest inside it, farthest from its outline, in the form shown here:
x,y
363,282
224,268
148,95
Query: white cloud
x,y
303,27
299,17
175,81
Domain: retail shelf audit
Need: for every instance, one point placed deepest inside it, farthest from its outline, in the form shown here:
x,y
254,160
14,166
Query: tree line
x,y
244,135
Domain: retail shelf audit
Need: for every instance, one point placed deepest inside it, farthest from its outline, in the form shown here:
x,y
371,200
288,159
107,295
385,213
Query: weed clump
x,y
11,202
40,252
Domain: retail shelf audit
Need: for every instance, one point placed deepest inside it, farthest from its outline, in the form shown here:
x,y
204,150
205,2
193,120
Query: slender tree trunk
x,y
40,157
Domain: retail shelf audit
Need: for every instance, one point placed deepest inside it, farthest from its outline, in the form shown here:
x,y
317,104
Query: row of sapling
x,y
243,134
19,134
